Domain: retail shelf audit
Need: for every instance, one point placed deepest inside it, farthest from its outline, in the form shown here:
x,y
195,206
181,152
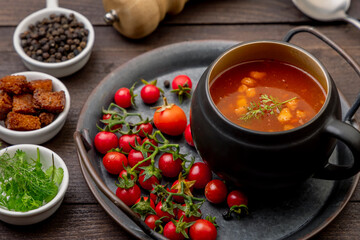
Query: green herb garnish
x,y
24,185
267,104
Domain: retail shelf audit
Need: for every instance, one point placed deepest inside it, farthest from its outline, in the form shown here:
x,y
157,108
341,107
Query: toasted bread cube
x,y
257,75
46,118
5,104
292,104
285,115
300,114
45,84
240,111
242,88
250,82
251,92
288,127
23,104
53,102
22,122
14,84
241,102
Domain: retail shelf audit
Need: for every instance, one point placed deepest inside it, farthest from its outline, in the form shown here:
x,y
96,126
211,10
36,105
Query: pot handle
x,y
349,115
83,146
351,137
335,128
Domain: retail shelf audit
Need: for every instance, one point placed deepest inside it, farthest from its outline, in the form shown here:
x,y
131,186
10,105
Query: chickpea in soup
x,y
266,95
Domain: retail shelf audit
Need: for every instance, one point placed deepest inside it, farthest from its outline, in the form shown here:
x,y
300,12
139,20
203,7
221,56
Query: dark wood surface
x,y
80,216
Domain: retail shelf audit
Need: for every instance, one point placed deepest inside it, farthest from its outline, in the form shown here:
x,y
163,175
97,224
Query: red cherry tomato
x,y
170,232
178,199
129,196
236,198
187,219
203,230
105,141
136,156
201,173
128,139
108,116
124,172
151,141
160,213
152,204
148,184
150,221
114,162
215,191
168,166
188,136
181,80
123,97
170,119
150,93
145,128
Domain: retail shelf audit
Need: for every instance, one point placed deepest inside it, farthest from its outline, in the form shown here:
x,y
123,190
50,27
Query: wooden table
x,y
80,216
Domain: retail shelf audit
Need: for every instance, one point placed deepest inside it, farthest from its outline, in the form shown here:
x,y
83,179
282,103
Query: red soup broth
x,y
268,96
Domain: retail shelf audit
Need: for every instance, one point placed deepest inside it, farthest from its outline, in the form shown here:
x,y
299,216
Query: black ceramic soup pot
x,y
271,160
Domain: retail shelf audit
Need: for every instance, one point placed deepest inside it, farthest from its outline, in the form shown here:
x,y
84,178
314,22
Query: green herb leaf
x,y
56,174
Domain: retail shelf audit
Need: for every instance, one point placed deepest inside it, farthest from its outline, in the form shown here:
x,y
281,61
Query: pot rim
x,y
285,132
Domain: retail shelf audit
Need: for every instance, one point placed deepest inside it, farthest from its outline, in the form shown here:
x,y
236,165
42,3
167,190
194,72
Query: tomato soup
x,y
266,95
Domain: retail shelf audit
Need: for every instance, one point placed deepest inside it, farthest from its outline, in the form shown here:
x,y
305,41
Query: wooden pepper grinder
x,y
138,18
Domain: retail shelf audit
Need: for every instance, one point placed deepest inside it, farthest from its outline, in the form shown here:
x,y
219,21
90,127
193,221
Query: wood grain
x,y
80,217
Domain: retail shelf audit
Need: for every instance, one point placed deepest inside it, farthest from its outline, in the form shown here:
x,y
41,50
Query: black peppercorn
x,y
56,38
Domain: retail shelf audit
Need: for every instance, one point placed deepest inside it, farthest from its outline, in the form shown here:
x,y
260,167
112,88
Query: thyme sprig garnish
x,y
267,104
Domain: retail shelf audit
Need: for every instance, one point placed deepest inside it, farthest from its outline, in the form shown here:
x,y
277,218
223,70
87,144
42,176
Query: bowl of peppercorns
x,y
54,40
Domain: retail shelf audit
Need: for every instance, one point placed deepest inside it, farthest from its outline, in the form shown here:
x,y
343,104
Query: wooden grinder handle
x,y
138,18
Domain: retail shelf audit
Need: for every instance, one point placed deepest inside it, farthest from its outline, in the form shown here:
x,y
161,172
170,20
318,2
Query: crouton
x,y
5,104
257,75
23,104
285,115
53,102
250,82
251,92
46,118
22,122
14,84
45,85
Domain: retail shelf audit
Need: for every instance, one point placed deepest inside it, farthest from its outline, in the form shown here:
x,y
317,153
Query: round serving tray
x,y
300,215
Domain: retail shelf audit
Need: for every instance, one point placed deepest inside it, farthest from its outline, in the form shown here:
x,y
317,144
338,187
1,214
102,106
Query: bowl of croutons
x,y
33,107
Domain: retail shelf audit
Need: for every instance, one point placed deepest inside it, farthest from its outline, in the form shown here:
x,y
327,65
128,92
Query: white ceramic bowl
x,y
43,212
60,69
44,134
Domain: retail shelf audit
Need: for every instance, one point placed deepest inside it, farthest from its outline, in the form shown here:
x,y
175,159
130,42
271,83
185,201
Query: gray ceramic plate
x,y
301,214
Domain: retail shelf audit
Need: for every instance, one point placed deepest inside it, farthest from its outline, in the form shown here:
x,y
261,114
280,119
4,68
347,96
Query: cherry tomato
x,y
148,184
124,172
201,173
145,128
150,93
150,221
105,141
108,116
170,232
136,156
215,191
123,97
203,230
114,162
152,204
128,139
188,136
186,219
129,196
236,198
160,213
168,166
181,80
170,119
151,141
153,196
178,199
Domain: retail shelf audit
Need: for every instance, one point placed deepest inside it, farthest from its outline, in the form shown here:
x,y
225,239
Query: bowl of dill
x,y
33,182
